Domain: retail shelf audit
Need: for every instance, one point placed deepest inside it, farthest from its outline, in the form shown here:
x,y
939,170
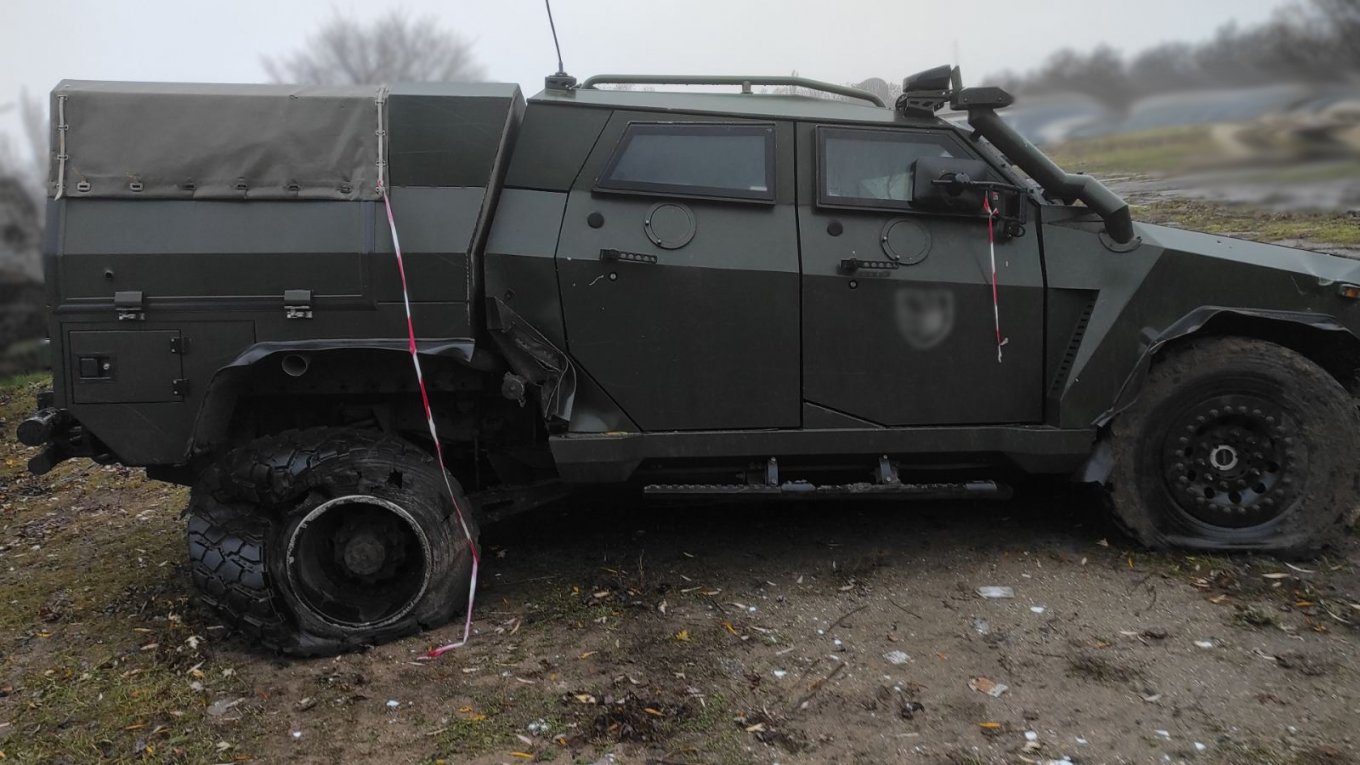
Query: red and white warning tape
x,y
434,433
991,245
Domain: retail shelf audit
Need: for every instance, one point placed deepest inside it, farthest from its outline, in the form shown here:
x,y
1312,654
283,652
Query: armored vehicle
x,y
799,294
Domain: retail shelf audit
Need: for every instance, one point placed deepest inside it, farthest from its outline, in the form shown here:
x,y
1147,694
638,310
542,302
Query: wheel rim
x,y
359,561
1231,461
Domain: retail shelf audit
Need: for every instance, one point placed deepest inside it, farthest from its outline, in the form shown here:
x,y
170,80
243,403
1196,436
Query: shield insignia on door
x,y
925,316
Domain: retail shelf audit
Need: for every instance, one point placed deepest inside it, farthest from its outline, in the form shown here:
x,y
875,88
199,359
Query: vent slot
x,y
1070,354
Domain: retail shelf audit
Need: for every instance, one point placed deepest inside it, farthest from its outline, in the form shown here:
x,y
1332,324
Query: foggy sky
x,y
44,41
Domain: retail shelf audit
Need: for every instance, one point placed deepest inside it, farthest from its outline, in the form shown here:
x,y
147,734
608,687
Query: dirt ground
x,y
802,633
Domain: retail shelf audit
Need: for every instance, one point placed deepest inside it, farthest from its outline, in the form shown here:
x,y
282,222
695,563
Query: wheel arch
x,y
369,367
1318,337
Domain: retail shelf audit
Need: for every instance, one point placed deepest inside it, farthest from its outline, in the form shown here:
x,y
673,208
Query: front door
x,y
898,311
678,267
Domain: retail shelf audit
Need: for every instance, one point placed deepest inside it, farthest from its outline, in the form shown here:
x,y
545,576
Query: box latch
x,y
297,304
130,305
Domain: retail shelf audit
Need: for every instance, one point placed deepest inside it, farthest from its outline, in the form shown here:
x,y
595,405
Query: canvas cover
x,y
196,141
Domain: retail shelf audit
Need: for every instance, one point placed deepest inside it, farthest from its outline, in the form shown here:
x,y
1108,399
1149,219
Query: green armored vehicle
x,y
693,293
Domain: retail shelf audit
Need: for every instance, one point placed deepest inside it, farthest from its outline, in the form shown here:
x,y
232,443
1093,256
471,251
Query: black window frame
x,y
761,129
944,137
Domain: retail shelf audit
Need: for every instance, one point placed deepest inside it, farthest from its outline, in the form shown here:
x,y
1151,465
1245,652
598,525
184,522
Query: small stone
x,y
996,593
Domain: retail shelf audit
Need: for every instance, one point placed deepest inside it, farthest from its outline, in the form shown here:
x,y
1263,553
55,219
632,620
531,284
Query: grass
x,y
101,657
1154,152
1173,151
1338,228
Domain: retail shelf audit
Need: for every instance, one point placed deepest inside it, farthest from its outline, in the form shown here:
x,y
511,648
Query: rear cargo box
x,y
225,216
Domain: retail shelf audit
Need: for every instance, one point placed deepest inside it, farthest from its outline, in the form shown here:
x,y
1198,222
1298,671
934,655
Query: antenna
x,y
561,80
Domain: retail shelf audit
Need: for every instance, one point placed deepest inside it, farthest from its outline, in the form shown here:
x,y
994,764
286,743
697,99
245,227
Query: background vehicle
x,y
697,294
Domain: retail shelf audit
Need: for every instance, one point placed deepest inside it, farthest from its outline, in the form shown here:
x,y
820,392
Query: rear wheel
x,y
1236,444
351,535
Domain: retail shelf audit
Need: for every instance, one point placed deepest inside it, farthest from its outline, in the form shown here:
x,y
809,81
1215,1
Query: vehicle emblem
x,y
925,317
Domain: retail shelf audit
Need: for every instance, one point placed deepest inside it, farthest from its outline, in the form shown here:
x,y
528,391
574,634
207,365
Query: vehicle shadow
x,y
615,530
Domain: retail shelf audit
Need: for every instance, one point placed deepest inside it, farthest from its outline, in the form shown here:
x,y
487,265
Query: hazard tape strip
x,y
991,245
434,434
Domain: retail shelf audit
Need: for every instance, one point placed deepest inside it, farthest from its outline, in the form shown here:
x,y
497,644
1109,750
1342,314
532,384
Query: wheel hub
x,y
364,554
1230,461
1223,458
359,561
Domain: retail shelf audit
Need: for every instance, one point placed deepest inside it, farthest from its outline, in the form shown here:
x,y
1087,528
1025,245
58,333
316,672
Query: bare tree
x,y
25,158
1100,74
23,178
1312,41
393,48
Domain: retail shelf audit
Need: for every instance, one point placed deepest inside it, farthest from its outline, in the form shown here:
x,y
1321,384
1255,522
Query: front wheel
x,y
319,541
1236,444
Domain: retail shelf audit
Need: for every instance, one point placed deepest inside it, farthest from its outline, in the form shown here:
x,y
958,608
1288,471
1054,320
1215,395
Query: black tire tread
x,y
1188,359
233,508
226,561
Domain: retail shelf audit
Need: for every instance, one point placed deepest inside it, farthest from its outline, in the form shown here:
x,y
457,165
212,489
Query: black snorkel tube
x,y
928,91
1054,180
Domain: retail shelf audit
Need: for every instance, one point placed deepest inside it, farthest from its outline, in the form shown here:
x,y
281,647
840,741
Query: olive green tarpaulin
x,y
193,141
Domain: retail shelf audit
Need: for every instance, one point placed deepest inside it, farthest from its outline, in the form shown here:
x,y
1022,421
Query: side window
x,y
694,159
872,168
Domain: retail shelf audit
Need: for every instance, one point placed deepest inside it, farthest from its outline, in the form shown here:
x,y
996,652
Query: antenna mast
x,y
561,80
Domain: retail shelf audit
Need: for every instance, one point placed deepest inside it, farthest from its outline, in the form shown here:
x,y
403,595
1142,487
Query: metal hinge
x,y
179,387
887,472
179,345
297,304
130,305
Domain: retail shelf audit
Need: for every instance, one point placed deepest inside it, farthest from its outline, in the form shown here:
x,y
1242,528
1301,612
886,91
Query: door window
x,y
872,168
691,159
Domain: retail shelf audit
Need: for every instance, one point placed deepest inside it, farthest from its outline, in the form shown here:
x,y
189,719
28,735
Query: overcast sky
x,y
44,41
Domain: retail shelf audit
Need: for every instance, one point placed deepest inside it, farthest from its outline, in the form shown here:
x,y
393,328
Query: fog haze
x,y
43,41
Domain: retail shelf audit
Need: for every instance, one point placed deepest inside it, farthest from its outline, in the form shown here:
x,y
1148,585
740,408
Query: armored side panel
x,y
197,226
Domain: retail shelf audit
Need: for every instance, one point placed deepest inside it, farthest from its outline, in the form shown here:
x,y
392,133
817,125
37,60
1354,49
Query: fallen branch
x,y
906,610
847,615
817,686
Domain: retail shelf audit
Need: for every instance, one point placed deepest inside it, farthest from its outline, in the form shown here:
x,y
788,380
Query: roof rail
x,y
744,82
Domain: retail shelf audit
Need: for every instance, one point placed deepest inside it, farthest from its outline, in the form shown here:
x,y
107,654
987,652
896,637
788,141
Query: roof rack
x,y
744,82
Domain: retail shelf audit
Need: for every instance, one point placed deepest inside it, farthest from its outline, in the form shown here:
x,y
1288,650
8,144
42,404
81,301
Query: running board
x,y
792,489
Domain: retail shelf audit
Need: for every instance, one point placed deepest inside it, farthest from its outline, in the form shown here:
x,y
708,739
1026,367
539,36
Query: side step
x,y
797,489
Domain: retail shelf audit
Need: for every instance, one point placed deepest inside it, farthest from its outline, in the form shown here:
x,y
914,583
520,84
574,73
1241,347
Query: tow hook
x,y
41,427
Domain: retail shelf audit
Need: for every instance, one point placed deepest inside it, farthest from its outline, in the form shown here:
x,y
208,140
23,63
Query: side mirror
x,y
949,184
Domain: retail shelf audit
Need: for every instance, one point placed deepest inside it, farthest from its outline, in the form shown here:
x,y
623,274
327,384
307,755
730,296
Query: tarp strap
x,y
434,430
382,149
62,156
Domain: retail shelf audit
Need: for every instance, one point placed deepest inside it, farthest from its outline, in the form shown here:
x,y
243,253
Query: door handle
x,y
619,256
851,265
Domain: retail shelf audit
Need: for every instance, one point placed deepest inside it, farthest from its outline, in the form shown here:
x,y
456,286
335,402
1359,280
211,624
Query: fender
x,y
1097,468
214,414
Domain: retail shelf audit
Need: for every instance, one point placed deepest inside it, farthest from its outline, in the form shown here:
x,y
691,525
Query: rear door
x,y
898,315
678,266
